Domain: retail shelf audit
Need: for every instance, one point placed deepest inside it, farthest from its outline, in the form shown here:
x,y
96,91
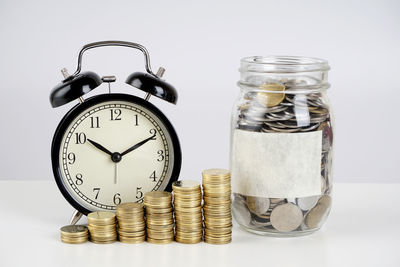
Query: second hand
x,y
115,172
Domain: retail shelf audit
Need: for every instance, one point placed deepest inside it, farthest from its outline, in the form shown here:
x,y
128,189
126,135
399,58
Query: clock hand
x,y
138,145
115,172
102,148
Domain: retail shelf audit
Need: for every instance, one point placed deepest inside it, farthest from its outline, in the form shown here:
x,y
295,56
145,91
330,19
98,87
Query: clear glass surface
x,y
283,95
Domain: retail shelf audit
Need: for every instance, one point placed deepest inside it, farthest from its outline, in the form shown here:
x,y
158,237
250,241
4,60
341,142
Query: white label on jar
x,y
276,165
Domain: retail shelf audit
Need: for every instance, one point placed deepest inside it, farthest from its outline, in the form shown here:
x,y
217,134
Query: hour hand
x,y
102,148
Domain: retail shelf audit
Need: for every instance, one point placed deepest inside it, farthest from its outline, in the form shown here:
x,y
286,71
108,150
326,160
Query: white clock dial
x,y
124,129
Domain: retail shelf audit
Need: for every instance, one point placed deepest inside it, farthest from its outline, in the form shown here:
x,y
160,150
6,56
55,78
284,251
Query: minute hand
x,y
137,145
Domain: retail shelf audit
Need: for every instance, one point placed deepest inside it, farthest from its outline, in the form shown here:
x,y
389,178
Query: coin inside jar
x,y
258,205
271,99
286,217
319,212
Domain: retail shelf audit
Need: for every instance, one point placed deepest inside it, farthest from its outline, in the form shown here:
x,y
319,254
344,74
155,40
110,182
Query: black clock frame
x,y
76,110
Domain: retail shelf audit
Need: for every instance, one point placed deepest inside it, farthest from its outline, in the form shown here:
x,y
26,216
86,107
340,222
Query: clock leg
x,y
76,216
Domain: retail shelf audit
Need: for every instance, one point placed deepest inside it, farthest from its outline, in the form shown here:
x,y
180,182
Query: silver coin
x,y
317,215
310,128
286,218
258,205
276,109
307,203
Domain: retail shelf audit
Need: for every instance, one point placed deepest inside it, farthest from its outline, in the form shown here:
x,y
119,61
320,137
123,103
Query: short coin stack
x,y
131,224
74,234
102,227
188,216
159,217
217,206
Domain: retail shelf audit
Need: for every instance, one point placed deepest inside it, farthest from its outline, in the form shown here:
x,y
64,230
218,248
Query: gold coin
x,y
196,198
215,225
219,230
160,235
131,207
75,240
131,233
150,210
161,227
160,241
270,99
157,196
216,234
159,218
131,223
103,242
216,173
102,227
217,241
185,185
217,200
181,218
149,223
131,230
188,241
101,216
74,230
189,233
184,209
132,240
217,194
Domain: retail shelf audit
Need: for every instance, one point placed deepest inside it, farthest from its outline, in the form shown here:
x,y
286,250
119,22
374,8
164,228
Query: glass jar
x,y
281,146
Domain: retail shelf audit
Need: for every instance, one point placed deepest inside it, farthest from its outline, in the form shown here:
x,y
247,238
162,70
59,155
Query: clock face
x,y
113,151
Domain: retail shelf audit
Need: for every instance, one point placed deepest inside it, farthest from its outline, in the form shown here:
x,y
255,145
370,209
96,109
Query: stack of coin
x,y
131,224
102,227
159,217
74,234
188,216
217,206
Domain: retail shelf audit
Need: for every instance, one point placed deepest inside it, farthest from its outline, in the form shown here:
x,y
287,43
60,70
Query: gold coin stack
x,y
188,216
131,224
102,227
74,234
217,206
159,218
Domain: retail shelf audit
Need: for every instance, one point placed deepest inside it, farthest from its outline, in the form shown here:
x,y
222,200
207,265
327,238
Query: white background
x,y
200,45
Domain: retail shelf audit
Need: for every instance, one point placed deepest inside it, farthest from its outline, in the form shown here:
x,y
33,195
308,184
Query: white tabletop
x,y
363,230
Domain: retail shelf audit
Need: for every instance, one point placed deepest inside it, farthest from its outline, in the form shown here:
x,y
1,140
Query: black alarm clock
x,y
113,148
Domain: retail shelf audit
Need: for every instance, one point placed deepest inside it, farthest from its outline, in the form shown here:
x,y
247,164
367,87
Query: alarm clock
x,y
113,148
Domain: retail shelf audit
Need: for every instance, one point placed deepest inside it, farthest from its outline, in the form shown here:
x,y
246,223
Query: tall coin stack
x,y
74,234
102,227
131,223
159,217
188,216
217,206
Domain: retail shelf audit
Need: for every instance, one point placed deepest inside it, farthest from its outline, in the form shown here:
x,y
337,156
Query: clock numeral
x,y
153,132
139,195
117,199
80,138
160,155
97,190
115,114
153,176
79,180
94,122
136,120
71,157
